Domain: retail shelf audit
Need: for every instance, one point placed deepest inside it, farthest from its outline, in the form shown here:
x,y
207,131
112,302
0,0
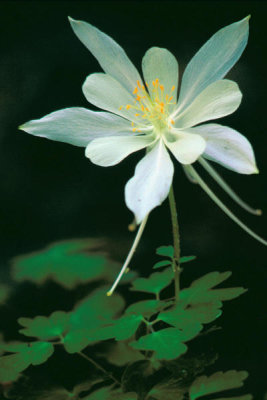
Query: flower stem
x,y
176,243
95,364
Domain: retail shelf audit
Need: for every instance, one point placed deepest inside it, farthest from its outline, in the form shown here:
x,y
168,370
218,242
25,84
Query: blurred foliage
x,y
4,293
142,338
218,382
68,263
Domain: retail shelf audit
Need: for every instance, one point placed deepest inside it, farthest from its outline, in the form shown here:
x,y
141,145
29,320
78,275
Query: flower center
x,y
153,106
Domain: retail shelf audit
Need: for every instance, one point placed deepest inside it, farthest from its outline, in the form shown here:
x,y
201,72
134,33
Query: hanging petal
x,y
213,60
150,185
187,148
228,148
77,126
105,92
108,53
160,64
112,150
219,99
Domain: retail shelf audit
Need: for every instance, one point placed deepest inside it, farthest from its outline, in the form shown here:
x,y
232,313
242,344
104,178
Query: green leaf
x,y
217,382
56,394
68,263
167,343
167,391
121,329
161,264
96,309
61,393
4,293
200,303
186,259
147,308
106,393
46,328
245,397
121,354
155,283
126,326
201,290
26,354
190,320
166,251
164,263
77,340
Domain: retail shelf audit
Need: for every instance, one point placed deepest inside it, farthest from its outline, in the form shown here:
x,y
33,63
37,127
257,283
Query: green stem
x,y
99,367
176,243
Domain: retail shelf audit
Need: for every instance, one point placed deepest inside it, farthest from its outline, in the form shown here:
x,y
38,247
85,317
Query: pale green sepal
x,y
219,99
213,60
77,126
108,53
107,93
159,63
227,147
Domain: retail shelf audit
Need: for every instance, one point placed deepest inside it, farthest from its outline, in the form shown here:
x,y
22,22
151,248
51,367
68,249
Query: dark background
x,y
50,191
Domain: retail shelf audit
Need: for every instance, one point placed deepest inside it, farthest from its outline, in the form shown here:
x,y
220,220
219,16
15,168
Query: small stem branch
x,y
95,364
176,243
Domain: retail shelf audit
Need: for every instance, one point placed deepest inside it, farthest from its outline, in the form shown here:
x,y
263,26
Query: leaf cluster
x,y
152,332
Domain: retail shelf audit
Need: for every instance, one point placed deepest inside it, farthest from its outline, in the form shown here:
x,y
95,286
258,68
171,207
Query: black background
x,y
49,191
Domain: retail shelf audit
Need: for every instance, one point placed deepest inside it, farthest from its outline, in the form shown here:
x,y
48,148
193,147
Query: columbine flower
x,y
145,114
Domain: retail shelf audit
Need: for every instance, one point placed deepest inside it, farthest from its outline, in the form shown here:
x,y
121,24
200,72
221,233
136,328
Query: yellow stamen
x,y
173,87
121,107
135,90
161,87
128,106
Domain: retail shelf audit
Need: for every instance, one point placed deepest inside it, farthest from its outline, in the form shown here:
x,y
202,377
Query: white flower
x,y
145,114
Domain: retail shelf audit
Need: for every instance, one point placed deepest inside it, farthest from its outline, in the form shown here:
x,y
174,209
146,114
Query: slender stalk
x,y
130,255
227,188
219,203
95,364
176,243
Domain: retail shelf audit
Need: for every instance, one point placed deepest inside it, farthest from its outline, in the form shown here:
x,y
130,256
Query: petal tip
x,y
23,127
71,20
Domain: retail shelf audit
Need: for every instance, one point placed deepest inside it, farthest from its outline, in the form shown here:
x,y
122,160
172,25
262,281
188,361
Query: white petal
x,y
108,53
151,182
187,148
110,151
160,63
228,148
105,92
77,126
213,60
219,99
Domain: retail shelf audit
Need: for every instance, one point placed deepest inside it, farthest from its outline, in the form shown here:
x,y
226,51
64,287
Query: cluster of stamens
x,y
153,108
